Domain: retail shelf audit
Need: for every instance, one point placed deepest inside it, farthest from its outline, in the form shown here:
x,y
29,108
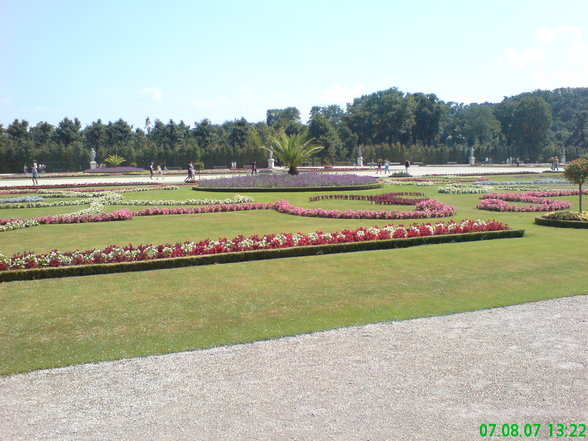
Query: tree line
x,y
389,124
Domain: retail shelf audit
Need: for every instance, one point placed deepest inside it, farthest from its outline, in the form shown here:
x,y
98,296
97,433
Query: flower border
x,y
143,257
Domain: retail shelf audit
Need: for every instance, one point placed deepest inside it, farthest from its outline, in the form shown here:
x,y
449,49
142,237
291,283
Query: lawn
x,y
59,322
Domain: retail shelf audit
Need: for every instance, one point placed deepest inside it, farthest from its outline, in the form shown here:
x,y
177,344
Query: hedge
x,y
560,223
145,265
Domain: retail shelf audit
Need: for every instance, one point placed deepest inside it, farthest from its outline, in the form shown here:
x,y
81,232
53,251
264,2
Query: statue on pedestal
x,y
93,163
271,161
359,160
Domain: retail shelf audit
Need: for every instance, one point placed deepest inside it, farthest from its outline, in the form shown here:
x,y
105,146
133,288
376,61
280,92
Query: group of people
x,y
35,170
555,163
156,171
386,164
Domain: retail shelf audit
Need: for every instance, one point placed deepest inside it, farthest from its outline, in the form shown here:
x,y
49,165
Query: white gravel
x,y
435,378
176,179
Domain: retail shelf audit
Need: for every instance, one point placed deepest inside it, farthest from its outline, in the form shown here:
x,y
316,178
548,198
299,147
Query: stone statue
x,y
93,163
271,161
359,160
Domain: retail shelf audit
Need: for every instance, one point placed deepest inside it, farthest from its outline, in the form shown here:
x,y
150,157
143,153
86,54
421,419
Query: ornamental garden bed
x,y
114,259
497,201
284,182
564,219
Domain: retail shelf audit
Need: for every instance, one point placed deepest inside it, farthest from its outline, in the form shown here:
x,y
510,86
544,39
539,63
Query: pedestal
x,y
472,160
93,165
359,162
270,163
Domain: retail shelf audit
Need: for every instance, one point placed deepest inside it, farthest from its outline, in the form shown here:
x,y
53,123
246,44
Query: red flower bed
x,y
131,253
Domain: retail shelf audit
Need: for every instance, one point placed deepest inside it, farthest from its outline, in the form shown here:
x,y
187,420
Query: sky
x,y
227,59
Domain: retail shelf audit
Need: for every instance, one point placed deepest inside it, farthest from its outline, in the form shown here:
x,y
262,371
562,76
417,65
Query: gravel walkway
x,y
426,379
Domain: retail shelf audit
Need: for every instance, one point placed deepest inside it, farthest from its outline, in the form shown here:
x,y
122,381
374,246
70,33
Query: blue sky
x,y
226,59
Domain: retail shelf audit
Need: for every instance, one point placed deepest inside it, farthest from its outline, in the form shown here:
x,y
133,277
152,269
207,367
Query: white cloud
x,y
5,101
338,94
152,92
559,59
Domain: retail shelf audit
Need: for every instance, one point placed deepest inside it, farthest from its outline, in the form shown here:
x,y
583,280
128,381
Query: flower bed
x,y
130,253
97,184
418,184
17,224
564,219
24,199
529,182
383,199
115,198
285,181
423,210
497,202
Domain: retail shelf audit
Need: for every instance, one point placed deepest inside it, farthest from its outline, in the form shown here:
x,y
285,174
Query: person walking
x,y
189,173
379,170
35,173
159,172
254,168
386,167
151,170
406,165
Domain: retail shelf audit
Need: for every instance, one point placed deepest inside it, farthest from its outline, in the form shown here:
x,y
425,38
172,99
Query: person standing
x,y
406,165
159,172
386,167
379,170
254,168
151,170
35,173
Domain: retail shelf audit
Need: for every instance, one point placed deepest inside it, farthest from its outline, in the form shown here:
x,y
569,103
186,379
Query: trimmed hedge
x,y
292,189
560,223
145,265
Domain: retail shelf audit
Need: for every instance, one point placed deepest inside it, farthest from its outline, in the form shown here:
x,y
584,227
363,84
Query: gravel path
x,y
176,179
435,378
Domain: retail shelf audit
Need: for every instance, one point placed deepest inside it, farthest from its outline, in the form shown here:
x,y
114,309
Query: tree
x,y
321,130
280,118
427,118
292,150
68,131
577,172
531,124
481,126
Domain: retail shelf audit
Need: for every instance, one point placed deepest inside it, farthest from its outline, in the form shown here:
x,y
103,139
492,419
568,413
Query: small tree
x,y
114,160
577,172
292,150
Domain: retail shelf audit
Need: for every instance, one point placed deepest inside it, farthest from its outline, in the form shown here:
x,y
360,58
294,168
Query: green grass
x,y
59,322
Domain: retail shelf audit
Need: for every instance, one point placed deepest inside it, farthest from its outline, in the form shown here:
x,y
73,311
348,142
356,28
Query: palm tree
x,y
293,150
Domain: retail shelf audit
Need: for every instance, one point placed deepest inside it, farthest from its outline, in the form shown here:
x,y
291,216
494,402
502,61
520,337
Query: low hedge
x,y
86,270
560,223
287,189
